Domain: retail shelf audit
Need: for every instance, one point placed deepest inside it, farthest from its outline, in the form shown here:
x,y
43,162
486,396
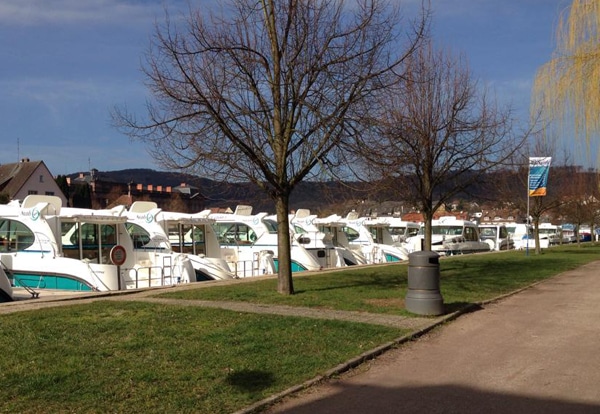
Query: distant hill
x,y
316,196
319,197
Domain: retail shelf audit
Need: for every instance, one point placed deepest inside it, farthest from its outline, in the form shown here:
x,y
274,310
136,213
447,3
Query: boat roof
x,y
332,220
184,218
83,215
452,221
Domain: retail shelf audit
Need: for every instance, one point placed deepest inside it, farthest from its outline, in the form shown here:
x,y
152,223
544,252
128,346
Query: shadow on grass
x,y
457,306
250,380
383,281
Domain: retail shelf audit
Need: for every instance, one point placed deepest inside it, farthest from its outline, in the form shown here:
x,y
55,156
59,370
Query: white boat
x,y
190,235
144,266
6,290
450,236
319,243
401,230
551,231
250,243
32,254
374,239
496,236
333,226
523,236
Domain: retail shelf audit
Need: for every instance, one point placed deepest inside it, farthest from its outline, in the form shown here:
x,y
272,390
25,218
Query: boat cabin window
x,y
187,238
351,234
445,230
470,234
235,234
331,231
377,233
89,241
503,233
142,239
14,236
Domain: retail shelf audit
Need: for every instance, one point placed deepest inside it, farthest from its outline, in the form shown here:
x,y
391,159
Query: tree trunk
x,y
536,235
285,284
428,215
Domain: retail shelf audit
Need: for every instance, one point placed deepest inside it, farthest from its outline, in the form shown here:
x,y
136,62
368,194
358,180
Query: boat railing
x,y
16,281
43,239
246,268
151,276
373,255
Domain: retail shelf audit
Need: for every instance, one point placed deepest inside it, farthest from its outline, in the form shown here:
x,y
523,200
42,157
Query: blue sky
x,y
67,63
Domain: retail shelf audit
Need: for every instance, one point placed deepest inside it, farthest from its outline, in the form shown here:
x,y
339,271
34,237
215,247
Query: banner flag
x,y
538,175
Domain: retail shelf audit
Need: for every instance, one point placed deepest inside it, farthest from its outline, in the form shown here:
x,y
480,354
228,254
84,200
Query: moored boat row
x,y
45,245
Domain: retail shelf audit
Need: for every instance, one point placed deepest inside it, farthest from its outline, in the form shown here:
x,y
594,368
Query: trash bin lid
x,y
424,258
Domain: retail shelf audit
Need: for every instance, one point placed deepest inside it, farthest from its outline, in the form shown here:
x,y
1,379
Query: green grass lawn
x,y
130,357
381,289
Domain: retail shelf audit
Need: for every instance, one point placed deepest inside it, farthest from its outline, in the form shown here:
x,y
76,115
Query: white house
x,y
20,179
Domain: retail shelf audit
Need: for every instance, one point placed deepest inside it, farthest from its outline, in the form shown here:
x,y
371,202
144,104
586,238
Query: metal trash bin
x,y
423,296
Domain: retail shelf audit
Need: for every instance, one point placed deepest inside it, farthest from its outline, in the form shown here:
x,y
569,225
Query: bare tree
x,y
439,133
269,91
582,202
177,204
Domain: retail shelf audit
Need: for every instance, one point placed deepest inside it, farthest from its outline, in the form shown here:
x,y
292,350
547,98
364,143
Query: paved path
x,y
534,352
393,321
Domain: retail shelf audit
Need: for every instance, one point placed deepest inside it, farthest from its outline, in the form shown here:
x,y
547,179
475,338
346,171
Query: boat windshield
x,y
404,231
397,231
488,231
235,234
271,226
351,234
299,230
14,236
447,230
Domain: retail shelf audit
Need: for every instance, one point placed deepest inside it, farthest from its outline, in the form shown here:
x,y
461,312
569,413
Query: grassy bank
x,y
144,358
381,289
132,357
